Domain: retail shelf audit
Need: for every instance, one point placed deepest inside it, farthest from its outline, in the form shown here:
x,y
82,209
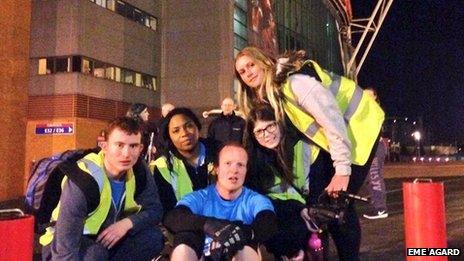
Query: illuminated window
x,y
153,22
153,83
87,66
99,69
117,74
42,66
96,69
110,73
138,80
111,4
128,11
101,3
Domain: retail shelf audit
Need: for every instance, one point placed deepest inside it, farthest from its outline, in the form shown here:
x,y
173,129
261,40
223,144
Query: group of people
x,y
307,132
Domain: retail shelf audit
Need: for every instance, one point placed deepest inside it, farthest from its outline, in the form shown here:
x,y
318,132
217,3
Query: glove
x,y
231,237
213,225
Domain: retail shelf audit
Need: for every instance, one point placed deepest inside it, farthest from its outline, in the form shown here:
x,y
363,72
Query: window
x,y
42,66
117,74
121,8
62,64
110,73
240,24
101,3
77,64
153,22
139,17
128,76
50,66
95,68
128,11
138,80
111,4
87,66
147,82
99,69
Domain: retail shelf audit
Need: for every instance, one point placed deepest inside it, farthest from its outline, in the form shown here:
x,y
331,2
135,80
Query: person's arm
x,y
70,223
152,210
319,102
149,215
264,226
181,218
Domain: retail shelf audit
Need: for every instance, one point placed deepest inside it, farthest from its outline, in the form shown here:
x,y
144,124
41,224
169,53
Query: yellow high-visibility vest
x,y
361,113
303,155
178,177
93,165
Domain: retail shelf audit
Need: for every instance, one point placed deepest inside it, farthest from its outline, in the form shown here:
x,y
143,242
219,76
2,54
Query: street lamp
x,y
417,138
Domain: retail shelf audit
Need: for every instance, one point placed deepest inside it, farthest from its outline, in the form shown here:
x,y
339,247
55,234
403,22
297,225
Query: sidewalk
x,y
432,170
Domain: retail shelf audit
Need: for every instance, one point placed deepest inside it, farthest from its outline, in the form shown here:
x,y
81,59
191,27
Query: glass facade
x,y
240,25
308,25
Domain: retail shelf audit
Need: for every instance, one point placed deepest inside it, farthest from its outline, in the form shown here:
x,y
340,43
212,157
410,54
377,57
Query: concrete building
x,y
89,59
14,57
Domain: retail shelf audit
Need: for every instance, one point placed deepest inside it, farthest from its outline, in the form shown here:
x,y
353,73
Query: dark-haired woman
x,y
186,158
280,169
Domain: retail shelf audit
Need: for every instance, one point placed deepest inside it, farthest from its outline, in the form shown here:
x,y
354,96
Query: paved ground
x,y
384,239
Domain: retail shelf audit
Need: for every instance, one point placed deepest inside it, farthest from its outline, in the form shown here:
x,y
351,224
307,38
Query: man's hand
x,y
112,234
338,183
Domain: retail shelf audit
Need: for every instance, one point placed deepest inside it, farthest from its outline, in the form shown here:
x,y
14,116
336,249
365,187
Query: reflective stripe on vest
x,y
177,177
363,115
302,159
93,165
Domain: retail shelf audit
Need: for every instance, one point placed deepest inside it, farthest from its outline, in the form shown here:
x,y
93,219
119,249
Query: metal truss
x,y
368,28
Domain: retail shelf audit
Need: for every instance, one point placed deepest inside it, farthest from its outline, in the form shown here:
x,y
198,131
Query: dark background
x,y
416,64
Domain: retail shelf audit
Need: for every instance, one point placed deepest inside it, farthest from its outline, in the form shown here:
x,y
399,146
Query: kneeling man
x,y
109,206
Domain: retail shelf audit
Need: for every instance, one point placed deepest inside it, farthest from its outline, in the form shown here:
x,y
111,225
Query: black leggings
x,y
292,234
347,237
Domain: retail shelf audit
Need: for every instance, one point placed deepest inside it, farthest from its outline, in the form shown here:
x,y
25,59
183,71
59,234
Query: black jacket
x,y
227,128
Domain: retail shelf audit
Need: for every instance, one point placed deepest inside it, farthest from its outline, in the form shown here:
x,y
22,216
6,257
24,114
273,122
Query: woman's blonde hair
x,y
268,92
275,74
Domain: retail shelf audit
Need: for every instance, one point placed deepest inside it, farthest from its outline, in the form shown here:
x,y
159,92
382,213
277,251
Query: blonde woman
x,y
331,112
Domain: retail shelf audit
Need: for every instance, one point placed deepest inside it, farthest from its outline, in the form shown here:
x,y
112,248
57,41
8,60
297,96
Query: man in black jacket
x,y
227,126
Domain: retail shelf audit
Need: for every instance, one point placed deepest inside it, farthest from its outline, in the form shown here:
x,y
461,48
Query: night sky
x,y
417,64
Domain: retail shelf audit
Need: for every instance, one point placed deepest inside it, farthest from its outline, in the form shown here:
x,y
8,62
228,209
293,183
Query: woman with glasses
x,y
275,172
329,112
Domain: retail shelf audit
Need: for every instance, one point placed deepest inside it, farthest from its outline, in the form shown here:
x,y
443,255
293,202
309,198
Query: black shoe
x,y
376,214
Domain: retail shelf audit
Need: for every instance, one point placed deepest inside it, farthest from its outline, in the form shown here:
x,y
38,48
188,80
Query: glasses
x,y
271,128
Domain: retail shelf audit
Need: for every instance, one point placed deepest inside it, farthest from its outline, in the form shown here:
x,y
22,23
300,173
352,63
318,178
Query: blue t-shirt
x,y
207,202
117,190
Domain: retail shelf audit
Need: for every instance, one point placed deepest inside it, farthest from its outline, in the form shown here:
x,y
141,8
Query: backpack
x,y
44,185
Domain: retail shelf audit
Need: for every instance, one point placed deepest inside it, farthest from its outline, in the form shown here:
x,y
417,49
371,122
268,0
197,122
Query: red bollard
x,y
424,216
16,235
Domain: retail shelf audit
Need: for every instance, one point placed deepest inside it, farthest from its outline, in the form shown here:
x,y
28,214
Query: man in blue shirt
x,y
225,219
